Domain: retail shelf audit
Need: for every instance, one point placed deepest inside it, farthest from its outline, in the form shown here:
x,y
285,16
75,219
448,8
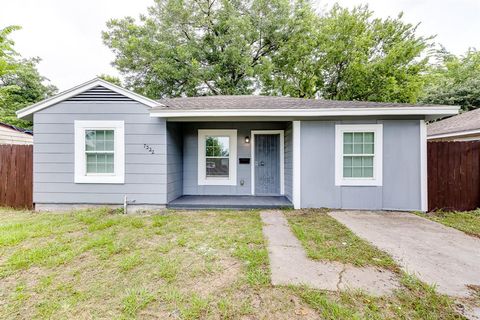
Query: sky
x,y
66,34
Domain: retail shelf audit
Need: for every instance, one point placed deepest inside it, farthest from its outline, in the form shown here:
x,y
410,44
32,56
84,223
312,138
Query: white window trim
x,y
81,175
282,156
232,170
377,129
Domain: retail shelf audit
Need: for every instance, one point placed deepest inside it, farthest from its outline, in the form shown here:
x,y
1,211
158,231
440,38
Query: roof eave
x,y
431,112
453,134
25,112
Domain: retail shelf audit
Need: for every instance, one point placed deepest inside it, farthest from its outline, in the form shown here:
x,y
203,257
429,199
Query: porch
x,y
241,165
230,202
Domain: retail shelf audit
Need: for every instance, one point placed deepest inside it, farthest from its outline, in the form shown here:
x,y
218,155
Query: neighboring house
x,y
14,135
96,143
462,127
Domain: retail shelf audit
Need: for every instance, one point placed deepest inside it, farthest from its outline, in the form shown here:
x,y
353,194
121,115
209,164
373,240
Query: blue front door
x,y
267,164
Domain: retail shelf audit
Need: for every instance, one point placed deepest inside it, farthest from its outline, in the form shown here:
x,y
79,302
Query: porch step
x,y
230,202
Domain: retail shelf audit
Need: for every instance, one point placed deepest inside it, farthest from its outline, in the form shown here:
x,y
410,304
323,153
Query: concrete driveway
x,y
434,253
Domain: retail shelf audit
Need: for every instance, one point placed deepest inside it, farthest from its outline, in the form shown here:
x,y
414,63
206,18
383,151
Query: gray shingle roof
x,y
269,102
463,122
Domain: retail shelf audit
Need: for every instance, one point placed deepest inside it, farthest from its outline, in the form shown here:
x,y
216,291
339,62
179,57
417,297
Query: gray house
x,y
98,144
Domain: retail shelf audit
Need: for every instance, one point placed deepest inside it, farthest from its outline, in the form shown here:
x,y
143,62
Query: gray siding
x,y
289,161
401,168
190,155
145,173
174,161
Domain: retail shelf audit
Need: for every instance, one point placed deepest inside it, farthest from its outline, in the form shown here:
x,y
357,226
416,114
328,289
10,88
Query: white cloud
x,y
67,34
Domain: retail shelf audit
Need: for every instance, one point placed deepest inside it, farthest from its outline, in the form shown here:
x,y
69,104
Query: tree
x,y
20,82
194,47
111,79
455,80
349,55
281,47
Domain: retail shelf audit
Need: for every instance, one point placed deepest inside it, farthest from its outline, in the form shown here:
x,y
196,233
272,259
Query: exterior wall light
x,y
247,139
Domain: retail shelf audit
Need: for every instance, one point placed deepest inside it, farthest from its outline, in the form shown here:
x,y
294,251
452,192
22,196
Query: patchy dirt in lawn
x,y
225,272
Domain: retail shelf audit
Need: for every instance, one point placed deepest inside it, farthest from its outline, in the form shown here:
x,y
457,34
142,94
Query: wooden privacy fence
x,y
454,175
16,176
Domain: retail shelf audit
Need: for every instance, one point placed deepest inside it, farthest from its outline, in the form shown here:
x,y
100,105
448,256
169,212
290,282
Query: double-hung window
x,y
99,152
358,155
217,151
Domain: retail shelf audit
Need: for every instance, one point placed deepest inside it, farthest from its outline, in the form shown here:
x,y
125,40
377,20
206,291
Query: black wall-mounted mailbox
x,y
244,160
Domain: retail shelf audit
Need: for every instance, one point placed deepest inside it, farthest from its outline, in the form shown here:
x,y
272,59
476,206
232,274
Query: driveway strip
x,y
290,265
436,254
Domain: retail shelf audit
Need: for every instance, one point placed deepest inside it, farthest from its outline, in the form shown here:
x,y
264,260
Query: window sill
x,y
100,179
217,182
359,182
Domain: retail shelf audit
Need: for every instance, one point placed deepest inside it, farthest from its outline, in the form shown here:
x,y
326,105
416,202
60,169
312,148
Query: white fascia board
x,y
423,167
82,88
297,112
454,134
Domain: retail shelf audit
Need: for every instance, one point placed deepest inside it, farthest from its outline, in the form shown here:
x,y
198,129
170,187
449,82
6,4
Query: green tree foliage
x,y
111,79
349,55
280,47
197,47
20,82
455,80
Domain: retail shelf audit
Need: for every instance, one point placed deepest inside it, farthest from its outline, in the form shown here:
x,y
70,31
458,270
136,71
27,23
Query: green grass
x,y
466,221
180,264
414,300
326,239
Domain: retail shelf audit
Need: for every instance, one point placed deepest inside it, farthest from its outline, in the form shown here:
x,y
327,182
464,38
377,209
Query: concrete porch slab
x,y
230,202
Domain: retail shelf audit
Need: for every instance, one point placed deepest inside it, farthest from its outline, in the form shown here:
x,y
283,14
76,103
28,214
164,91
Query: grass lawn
x,y
99,264
325,239
466,221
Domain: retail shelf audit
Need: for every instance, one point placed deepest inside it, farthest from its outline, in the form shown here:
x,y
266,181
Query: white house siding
x,y
11,136
145,173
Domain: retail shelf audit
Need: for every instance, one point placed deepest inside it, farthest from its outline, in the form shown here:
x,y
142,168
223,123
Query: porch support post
x,y
296,128
423,167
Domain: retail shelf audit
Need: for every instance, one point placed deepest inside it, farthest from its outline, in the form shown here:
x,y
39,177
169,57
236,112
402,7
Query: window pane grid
x,y
99,150
217,155
358,154
99,140
358,143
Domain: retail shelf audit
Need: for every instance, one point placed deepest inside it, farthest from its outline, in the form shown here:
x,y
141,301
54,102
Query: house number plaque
x,y
148,148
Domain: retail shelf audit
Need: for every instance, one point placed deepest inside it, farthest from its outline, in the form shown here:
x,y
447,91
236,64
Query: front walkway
x,y
290,266
436,254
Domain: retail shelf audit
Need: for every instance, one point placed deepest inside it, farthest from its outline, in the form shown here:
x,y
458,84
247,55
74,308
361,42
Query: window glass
x,y
358,153
99,149
217,156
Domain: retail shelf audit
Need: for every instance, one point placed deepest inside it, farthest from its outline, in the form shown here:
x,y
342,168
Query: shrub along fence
x,y
453,175
16,176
